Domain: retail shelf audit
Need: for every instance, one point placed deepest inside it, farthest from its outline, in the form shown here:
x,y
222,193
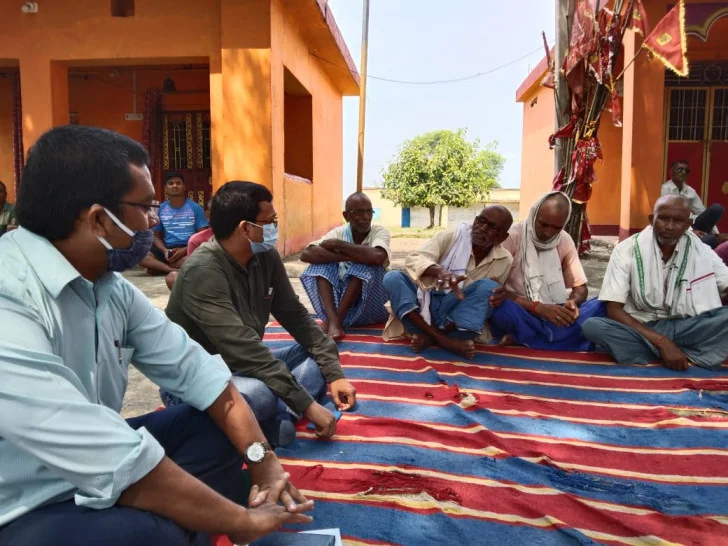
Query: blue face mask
x,y
270,238
121,259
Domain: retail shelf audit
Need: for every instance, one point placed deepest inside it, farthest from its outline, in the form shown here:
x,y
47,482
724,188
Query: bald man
x,y
546,289
344,280
665,293
451,285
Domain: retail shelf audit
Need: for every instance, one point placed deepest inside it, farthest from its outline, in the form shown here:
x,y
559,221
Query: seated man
x,y
195,241
546,289
72,470
440,312
7,211
704,220
663,290
179,219
223,298
344,283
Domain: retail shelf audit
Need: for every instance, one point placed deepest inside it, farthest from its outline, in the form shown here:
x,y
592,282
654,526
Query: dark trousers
x,y
193,441
707,220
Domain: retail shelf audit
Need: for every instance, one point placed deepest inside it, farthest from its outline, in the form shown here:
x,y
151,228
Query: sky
x,y
426,40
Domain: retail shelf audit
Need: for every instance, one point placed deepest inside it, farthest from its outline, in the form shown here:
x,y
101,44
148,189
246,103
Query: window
x,y
178,144
297,128
720,115
122,8
687,114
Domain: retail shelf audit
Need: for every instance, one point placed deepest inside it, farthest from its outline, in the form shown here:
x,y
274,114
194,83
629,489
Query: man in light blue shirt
x,y
72,471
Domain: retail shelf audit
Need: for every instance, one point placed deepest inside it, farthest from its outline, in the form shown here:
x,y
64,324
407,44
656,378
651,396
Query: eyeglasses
x,y
152,206
685,170
481,220
274,222
361,212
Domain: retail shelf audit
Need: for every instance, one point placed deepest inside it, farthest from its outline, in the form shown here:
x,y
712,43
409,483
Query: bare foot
x,y
506,341
325,326
420,342
335,331
462,347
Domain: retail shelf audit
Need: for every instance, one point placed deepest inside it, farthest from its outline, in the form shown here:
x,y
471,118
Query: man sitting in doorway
x,y
663,289
224,296
451,285
546,289
179,219
704,219
344,282
73,471
195,241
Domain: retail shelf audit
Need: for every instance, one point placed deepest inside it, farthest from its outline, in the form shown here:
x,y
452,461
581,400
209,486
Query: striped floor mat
x,y
518,447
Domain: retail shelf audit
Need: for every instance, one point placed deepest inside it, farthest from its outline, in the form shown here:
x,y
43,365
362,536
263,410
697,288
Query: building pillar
x,y
44,93
643,141
240,95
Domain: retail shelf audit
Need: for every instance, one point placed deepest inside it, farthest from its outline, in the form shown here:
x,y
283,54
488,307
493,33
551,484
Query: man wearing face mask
x,y
72,470
224,296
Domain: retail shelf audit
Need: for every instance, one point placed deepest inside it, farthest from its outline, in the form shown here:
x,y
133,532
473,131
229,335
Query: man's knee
x,y
483,287
717,209
394,281
594,328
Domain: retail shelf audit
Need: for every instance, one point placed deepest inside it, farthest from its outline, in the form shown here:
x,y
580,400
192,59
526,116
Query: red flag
x,y
637,20
668,43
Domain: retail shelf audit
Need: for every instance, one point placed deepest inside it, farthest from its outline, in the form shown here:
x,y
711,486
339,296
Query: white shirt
x,y
696,203
618,281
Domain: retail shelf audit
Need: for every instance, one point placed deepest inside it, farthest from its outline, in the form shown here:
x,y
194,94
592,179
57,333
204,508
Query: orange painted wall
x,y
290,51
102,101
298,131
246,45
537,161
6,136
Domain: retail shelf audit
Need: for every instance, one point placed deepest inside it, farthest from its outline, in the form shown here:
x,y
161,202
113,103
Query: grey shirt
x,y
225,308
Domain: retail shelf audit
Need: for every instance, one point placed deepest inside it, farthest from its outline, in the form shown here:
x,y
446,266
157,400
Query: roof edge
x,y
534,78
339,39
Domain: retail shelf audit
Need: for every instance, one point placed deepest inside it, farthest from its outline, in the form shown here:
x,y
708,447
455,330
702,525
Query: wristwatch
x,y
255,453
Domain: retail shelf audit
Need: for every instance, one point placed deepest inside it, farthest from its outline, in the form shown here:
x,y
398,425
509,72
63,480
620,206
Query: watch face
x,y
256,452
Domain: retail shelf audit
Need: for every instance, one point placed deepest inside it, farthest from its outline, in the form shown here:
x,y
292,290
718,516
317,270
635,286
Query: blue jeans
x,y
468,315
701,338
193,441
263,401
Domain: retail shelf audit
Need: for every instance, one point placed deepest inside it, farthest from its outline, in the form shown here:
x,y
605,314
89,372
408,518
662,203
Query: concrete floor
x,y
142,395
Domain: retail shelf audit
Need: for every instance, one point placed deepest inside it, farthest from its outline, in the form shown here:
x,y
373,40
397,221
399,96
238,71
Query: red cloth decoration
x,y
18,151
637,20
667,42
152,135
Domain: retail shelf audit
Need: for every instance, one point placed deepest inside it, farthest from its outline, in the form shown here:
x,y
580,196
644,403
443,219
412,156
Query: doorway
x,y
697,131
186,150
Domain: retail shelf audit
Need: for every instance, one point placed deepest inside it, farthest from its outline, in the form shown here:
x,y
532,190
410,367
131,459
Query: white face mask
x,y
270,238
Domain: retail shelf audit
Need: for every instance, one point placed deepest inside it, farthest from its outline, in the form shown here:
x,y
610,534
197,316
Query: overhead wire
x,y
433,82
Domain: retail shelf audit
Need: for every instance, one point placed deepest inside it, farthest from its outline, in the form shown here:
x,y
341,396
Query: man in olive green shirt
x,y
7,210
223,297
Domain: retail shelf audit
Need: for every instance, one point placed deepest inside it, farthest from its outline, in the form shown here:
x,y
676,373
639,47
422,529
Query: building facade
x,y
218,90
665,118
393,216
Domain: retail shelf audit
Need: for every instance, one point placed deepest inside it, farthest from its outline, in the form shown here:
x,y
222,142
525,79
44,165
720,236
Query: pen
x,y
117,344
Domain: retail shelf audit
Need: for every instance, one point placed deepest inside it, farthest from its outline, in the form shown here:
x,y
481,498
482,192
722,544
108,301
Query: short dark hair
x,y
69,169
234,202
170,176
679,162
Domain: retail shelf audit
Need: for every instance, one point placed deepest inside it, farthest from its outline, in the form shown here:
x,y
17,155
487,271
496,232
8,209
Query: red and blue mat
x,y
517,447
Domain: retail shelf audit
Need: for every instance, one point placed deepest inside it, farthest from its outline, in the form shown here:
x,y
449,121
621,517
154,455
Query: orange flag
x,y
668,43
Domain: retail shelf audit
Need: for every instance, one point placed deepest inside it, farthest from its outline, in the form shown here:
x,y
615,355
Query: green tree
x,y
442,168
